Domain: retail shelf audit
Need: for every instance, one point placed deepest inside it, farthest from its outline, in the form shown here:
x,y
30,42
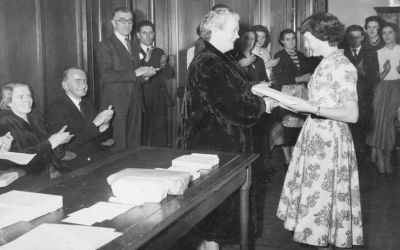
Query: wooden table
x,y
152,225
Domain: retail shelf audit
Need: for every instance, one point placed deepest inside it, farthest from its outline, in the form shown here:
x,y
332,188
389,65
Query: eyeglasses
x,y
125,21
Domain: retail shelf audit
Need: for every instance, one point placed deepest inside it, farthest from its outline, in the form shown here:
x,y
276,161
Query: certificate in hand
x,y
286,100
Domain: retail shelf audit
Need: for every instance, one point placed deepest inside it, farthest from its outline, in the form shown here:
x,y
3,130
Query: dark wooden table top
x,y
86,186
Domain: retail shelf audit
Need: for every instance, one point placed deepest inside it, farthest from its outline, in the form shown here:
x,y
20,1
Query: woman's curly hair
x,y
325,27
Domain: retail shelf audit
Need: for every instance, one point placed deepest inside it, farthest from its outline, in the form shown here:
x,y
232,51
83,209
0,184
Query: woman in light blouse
x,y
386,100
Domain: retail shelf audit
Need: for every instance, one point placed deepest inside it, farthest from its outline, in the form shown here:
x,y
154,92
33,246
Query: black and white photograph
x,y
200,124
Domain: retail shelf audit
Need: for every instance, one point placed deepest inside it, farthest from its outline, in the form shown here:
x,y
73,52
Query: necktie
x,y
354,53
82,108
128,45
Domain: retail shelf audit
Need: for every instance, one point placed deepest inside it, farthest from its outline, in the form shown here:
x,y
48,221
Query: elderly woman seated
x,y
28,128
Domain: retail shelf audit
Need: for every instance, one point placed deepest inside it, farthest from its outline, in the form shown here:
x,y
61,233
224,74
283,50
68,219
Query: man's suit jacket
x,y
155,88
87,138
365,82
121,88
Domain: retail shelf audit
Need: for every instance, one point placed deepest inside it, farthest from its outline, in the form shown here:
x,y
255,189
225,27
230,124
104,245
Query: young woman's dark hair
x,y
282,35
325,27
258,28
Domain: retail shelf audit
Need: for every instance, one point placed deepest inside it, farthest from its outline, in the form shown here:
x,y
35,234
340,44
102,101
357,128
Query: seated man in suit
x,y
78,113
156,97
366,62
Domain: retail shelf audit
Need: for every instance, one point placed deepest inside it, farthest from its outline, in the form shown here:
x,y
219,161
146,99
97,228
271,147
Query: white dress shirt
x,y
393,56
75,102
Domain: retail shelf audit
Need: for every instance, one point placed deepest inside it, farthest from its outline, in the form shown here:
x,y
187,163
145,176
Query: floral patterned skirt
x,y
320,200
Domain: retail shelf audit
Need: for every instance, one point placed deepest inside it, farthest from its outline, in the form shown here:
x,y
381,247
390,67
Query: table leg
x,y
244,211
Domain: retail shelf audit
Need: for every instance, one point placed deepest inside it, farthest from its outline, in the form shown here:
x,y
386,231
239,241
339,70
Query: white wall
x,y
354,11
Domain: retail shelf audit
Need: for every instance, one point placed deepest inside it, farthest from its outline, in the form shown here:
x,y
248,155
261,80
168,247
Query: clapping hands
x,y
5,142
246,61
61,137
387,66
102,120
146,71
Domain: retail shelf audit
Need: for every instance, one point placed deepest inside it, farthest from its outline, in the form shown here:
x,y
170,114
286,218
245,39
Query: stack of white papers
x,y
200,161
19,158
193,163
97,213
136,191
176,182
18,206
63,237
285,100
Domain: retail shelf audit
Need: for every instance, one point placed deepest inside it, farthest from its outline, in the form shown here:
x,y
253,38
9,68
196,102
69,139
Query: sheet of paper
x,y
19,158
63,237
97,213
283,98
26,206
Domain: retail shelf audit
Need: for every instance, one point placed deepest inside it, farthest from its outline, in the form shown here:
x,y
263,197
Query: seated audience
x,y
73,109
292,74
156,98
366,63
28,129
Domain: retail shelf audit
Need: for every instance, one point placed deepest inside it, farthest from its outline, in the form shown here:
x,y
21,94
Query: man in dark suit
x,y
121,75
366,62
79,114
156,97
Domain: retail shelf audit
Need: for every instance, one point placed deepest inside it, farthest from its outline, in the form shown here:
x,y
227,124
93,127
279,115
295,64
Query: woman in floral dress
x,y
320,200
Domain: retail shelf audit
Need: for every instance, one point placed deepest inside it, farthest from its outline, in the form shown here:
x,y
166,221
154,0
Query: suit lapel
x,y
121,49
70,106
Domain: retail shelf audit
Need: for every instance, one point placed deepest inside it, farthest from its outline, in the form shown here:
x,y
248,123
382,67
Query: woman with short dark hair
x,y
262,48
320,200
292,74
373,26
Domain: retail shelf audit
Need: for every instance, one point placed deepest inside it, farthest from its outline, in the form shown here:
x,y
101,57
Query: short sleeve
x,y
346,77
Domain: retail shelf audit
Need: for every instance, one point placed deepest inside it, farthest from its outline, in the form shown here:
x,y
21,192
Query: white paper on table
x,y
285,99
63,237
97,213
19,158
28,205
202,161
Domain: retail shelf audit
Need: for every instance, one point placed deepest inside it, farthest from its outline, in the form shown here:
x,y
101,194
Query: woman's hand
x,y
270,104
61,137
246,61
303,78
272,63
303,106
387,66
5,142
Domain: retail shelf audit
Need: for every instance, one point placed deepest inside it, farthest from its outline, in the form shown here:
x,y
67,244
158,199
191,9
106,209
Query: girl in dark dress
x,y
28,128
373,40
218,112
291,74
254,67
